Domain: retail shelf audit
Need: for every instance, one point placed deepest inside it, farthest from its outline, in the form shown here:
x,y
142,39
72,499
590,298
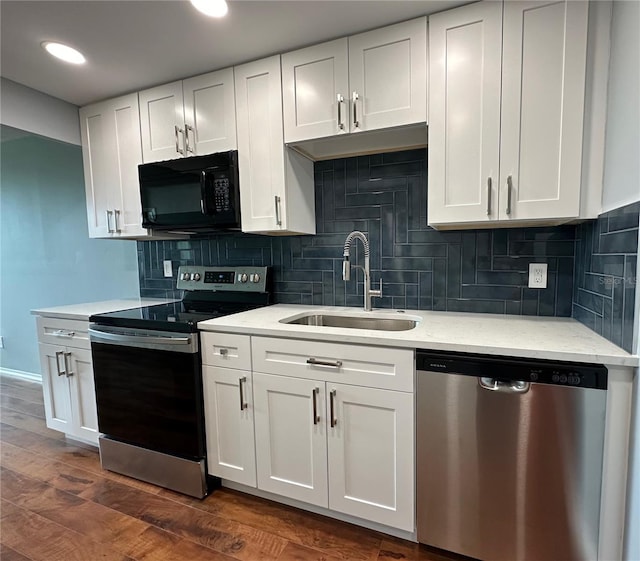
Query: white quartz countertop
x,y
83,311
507,335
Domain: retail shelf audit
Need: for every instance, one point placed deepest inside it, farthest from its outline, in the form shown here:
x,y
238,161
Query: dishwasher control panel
x,y
577,375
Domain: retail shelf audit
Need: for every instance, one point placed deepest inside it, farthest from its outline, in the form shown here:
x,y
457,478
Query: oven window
x,y
150,398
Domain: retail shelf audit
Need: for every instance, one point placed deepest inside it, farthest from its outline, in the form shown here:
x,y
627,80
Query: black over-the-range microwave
x,y
190,195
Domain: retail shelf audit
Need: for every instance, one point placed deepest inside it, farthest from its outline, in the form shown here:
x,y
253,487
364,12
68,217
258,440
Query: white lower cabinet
x,y
291,437
69,391
326,424
229,414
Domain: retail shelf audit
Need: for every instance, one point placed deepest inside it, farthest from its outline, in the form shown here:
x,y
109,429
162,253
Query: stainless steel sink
x,y
355,322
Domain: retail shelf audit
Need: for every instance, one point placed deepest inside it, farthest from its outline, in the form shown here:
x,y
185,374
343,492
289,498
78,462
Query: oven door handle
x,y
97,335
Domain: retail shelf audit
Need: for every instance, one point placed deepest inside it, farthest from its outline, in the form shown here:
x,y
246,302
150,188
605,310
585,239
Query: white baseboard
x,y
28,376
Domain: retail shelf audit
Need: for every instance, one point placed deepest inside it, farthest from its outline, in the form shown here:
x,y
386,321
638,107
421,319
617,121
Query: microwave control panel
x,y
245,279
221,194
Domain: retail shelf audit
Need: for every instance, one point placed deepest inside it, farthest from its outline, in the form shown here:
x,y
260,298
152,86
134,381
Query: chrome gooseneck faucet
x,y
346,267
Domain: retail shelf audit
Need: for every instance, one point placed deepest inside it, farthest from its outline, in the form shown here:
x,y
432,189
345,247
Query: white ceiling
x,y
131,45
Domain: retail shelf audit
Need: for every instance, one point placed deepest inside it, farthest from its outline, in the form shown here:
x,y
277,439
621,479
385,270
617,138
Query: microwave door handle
x,y
203,193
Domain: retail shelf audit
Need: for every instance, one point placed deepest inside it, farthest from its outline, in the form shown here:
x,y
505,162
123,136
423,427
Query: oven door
x,y
149,389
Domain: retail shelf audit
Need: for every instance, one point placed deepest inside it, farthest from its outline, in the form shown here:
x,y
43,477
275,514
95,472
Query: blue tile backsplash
x,y
385,196
606,274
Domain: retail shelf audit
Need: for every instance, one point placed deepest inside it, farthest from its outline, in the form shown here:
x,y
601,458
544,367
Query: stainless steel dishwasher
x,y
509,456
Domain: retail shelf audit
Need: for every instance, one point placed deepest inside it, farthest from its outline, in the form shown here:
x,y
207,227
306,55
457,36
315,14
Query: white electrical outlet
x,y
168,268
537,275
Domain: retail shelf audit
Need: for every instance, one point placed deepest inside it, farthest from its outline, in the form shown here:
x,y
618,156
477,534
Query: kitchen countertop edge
x,y
267,322
84,310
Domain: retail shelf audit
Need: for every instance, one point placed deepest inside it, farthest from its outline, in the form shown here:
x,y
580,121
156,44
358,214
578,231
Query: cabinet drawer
x,y
67,332
376,367
228,351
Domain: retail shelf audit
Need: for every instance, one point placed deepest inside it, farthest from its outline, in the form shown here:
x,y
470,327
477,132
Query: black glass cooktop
x,y
181,317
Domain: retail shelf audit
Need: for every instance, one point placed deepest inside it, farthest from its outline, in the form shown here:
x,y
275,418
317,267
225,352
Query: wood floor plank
x,y
341,540
30,423
26,390
392,549
225,536
296,552
22,405
8,554
54,543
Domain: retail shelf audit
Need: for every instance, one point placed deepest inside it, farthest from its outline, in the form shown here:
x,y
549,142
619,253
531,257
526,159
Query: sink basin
x,y
355,322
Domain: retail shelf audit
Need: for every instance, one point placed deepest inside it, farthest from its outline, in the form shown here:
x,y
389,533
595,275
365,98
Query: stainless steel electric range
x,y
148,377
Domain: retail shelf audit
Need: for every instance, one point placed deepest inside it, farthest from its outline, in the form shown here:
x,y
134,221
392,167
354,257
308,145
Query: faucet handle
x,y
377,293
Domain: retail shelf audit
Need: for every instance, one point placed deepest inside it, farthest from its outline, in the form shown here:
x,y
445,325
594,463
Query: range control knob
x,y
255,277
195,276
244,277
186,276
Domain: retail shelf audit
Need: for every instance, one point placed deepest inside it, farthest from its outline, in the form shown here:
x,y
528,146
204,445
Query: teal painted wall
x,y
46,255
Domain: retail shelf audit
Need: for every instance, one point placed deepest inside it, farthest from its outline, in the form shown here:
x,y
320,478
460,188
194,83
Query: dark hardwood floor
x,y
57,504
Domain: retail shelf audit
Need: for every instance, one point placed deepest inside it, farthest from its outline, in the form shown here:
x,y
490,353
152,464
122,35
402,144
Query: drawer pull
x,y
316,417
63,333
332,397
243,405
316,362
224,352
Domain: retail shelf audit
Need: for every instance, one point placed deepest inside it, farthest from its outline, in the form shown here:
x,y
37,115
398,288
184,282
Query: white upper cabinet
x,y
543,91
370,81
111,151
316,91
506,106
388,76
190,117
276,194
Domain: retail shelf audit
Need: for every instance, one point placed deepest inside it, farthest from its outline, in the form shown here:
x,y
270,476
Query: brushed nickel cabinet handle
x,y
509,190
188,146
316,417
332,397
116,214
67,364
488,196
354,100
58,355
340,102
177,130
316,362
277,203
109,229
243,405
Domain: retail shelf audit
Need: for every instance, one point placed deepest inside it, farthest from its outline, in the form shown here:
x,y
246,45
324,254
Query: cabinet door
x,y
371,459
388,73
162,122
261,145
465,49
98,157
55,388
83,394
543,85
228,412
291,437
314,80
111,151
210,113
126,136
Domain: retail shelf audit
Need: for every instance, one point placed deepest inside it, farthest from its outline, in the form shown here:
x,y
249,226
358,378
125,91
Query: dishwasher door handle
x,y
512,386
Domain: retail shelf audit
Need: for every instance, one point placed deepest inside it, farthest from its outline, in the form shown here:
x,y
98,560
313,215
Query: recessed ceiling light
x,y
213,8
64,52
